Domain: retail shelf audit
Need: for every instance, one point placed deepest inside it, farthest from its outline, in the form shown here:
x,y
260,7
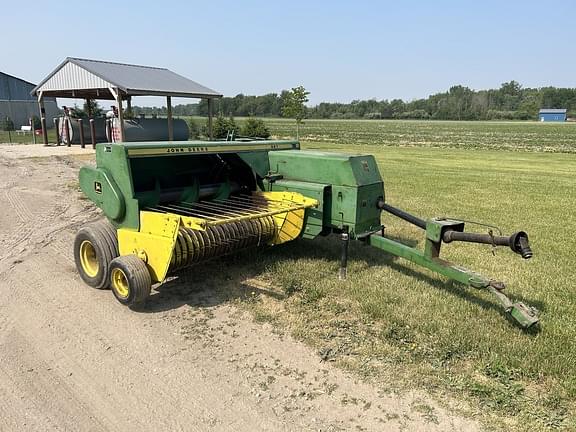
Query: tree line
x,y
511,101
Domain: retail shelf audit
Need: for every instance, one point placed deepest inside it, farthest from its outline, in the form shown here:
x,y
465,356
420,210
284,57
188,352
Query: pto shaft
x,y
518,242
421,223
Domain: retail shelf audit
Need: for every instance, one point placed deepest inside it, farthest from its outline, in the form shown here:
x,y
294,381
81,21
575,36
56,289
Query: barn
x,y
552,115
18,104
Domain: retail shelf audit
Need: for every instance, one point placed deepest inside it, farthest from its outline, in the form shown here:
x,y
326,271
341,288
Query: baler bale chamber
x,y
172,205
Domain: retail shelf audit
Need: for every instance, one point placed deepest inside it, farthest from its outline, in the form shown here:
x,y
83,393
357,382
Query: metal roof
x,y
553,111
84,78
16,89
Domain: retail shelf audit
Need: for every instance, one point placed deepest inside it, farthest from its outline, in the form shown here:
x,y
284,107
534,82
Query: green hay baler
x,y
172,205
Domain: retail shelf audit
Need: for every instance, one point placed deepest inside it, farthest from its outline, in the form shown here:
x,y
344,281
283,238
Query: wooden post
x,y
109,130
120,115
56,124
210,135
67,134
129,105
93,133
81,126
31,123
170,122
42,118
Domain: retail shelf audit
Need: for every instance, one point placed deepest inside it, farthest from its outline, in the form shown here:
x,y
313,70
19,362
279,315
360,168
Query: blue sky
x,y
338,50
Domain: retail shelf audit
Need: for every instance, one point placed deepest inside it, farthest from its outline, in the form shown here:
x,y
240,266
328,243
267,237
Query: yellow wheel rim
x,y
120,283
88,259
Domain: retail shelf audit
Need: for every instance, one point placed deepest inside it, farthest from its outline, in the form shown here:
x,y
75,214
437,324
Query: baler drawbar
x,y
173,205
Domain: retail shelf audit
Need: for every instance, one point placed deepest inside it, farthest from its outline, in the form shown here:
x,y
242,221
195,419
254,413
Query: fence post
x,y
67,131
56,124
6,122
81,126
44,130
93,133
32,128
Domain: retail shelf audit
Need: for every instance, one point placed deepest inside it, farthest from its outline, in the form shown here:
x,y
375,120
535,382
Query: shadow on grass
x,y
225,279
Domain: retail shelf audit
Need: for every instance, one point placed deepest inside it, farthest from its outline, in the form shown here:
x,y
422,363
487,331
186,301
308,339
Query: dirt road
x,y
72,358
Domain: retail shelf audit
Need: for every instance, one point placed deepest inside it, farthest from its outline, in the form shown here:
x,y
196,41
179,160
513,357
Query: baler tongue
x,y
525,316
439,231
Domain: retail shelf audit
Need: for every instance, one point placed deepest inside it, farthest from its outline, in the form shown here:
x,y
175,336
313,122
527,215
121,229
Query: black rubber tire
x,y
102,236
137,279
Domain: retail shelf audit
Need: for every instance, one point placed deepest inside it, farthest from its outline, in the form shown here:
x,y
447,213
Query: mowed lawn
x,y
405,327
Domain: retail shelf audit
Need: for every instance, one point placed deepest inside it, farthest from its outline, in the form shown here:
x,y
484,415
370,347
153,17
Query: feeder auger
x,y
172,205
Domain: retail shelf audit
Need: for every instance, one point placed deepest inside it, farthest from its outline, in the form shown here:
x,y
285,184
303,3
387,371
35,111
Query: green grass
x,y
28,138
403,327
439,333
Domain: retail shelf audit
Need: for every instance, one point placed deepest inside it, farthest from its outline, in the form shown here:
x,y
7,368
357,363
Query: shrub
x,y
373,116
221,126
193,129
415,114
36,123
7,124
255,128
523,115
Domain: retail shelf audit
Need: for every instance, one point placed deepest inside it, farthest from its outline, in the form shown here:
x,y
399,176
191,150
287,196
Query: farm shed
x,y
552,115
17,104
95,79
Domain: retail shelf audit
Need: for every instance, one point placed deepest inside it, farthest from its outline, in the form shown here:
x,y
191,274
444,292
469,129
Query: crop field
x,y
531,136
403,327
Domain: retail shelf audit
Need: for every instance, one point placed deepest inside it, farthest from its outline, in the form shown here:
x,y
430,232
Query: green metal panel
x,y
325,167
112,163
100,187
356,207
356,185
176,148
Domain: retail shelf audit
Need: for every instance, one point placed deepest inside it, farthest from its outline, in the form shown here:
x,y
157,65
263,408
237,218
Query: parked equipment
x,y
171,205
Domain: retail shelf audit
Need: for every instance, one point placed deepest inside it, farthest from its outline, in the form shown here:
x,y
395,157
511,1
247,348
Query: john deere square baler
x,y
173,205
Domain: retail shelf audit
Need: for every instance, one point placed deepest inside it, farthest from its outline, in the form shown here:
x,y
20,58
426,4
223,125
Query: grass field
x,y
18,138
404,327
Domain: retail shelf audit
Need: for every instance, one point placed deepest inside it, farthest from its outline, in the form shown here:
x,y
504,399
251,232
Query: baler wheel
x,y
130,280
95,247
